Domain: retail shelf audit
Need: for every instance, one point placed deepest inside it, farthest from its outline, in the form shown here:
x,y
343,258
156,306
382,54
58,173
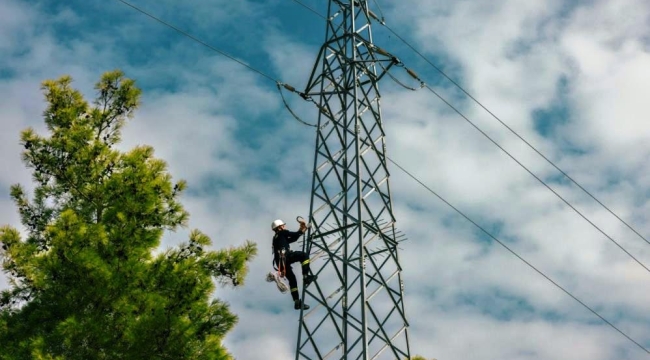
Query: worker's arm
x,y
293,236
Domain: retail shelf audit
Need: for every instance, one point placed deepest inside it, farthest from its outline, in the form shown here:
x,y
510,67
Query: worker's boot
x,y
308,279
297,304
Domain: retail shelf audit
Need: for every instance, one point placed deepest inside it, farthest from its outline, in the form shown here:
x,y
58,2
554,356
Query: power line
x,y
499,241
413,177
197,40
310,9
517,161
381,13
536,177
514,132
518,256
278,82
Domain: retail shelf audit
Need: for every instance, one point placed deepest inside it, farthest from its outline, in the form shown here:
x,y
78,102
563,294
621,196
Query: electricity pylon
x,y
358,300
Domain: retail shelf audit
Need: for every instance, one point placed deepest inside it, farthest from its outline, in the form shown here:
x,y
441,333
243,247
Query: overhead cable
x,y
536,177
190,36
286,105
197,40
310,9
518,256
404,170
515,159
438,69
428,87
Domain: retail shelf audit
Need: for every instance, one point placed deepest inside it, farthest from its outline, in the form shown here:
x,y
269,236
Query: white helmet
x,y
276,223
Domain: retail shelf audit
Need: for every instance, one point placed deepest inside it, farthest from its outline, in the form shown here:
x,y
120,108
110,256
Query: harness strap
x,y
282,270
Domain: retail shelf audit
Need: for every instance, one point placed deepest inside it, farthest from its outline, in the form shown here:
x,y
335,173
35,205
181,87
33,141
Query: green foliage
x,y
85,283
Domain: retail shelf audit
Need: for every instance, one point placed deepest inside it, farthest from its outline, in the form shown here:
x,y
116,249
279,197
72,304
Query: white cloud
x,y
222,122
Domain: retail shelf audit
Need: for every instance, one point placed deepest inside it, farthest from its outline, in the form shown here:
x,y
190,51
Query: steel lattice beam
x,y
358,301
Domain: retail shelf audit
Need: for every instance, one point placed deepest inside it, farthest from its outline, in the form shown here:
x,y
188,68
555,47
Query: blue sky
x,y
570,77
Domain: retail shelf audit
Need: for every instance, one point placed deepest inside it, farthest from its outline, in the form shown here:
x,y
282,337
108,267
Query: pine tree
x,y
86,282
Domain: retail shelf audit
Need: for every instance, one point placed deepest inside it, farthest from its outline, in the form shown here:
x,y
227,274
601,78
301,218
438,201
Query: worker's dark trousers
x,y
293,257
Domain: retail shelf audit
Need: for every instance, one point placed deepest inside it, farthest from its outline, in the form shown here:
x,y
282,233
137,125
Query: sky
x,y
570,77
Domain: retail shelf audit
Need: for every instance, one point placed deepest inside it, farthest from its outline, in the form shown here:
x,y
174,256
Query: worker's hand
x,y
303,224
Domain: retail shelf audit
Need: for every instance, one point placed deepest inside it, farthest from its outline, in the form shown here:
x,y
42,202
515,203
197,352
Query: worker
x,y
283,257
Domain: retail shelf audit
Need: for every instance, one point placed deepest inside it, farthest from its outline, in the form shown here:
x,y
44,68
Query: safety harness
x,y
281,265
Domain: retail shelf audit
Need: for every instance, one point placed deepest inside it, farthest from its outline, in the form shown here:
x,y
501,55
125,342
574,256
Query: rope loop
x,y
286,105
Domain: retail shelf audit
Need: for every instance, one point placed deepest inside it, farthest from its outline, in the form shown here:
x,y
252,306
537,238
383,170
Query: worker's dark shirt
x,y
282,239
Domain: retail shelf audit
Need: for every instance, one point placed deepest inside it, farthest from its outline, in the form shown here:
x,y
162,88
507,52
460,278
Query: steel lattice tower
x,y
358,301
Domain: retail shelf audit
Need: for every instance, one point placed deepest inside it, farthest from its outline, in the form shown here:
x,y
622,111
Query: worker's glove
x,y
303,224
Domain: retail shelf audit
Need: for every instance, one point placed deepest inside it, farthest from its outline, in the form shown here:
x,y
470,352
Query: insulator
x,y
373,15
289,87
382,51
413,74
